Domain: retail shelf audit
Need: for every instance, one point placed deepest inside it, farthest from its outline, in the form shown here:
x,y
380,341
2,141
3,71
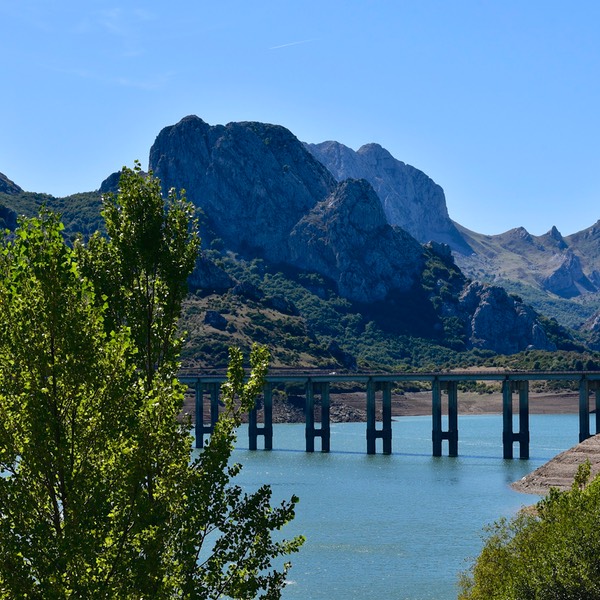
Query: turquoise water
x,y
399,526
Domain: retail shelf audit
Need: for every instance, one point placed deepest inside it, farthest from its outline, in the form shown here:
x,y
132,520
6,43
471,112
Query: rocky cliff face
x,y
346,237
410,199
499,322
567,278
254,181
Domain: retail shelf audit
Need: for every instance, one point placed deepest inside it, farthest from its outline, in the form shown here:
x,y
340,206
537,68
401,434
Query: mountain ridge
x,y
266,197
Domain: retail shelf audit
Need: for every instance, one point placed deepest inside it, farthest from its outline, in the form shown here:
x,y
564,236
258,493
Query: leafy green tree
x,y
100,494
551,552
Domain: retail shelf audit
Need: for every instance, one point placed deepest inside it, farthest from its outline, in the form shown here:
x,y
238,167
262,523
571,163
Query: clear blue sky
x,y
496,100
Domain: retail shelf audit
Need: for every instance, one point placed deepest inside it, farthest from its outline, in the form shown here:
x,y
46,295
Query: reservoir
x,y
399,526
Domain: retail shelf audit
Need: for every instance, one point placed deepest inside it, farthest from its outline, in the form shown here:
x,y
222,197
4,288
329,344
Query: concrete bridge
x,y
378,391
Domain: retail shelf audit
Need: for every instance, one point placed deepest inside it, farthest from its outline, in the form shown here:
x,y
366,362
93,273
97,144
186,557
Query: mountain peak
x,y
375,150
555,235
410,198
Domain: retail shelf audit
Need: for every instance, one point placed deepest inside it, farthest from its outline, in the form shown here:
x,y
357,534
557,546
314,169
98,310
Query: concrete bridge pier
x,y
584,409
595,385
385,433
509,437
585,387
202,428
312,432
266,430
437,434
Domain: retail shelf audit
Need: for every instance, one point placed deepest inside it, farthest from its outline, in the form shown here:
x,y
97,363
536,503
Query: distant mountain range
x,y
267,195
547,269
564,267
365,236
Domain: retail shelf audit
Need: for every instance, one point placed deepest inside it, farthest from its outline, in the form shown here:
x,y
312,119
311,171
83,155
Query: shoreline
x,y
350,407
559,472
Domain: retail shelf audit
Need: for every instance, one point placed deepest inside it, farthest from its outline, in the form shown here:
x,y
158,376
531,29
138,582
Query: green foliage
x,y
80,213
542,360
62,397
143,265
100,495
551,552
569,313
361,331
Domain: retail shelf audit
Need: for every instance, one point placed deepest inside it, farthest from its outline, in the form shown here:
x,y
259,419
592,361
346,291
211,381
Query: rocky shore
x,y
560,471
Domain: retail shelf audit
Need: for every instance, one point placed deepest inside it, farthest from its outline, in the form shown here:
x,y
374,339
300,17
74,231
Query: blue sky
x,y
497,101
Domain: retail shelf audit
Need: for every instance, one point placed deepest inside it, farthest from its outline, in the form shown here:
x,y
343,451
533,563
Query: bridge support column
x,y
584,409
436,416
507,419
452,434
437,434
524,420
325,406
324,431
385,433
508,435
254,429
386,415
596,387
200,427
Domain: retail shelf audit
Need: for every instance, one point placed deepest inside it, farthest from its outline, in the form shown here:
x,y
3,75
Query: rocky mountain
x,y
347,238
560,276
253,181
263,194
549,261
557,274
7,186
304,257
410,199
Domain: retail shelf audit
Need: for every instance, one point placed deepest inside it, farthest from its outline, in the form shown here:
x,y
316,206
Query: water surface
x,y
399,526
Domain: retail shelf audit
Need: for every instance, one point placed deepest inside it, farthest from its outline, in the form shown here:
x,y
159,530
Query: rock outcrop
x,y
7,186
209,277
215,319
500,322
567,279
111,184
347,238
410,199
254,181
